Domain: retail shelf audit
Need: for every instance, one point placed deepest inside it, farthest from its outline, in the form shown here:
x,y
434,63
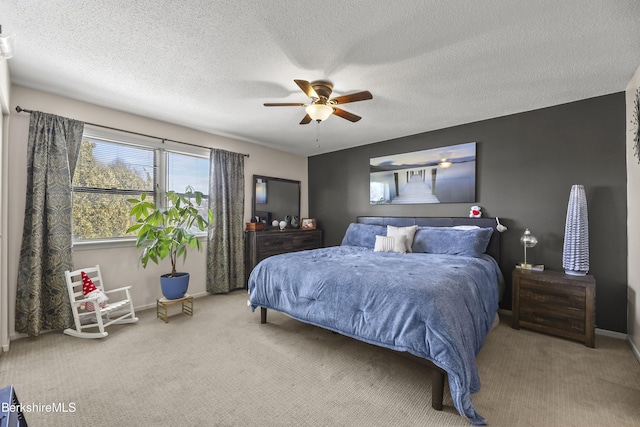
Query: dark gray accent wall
x,y
526,165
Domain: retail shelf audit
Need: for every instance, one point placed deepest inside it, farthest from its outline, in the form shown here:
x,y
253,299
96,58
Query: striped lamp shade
x,y
575,253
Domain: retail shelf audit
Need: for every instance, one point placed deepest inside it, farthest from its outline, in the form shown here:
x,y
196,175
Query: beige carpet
x,y
222,368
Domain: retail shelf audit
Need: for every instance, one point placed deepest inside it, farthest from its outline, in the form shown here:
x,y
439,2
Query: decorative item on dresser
x,y
255,226
575,252
555,303
308,223
263,244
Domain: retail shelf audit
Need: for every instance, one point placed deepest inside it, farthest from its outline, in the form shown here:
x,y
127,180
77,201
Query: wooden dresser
x,y
555,303
259,245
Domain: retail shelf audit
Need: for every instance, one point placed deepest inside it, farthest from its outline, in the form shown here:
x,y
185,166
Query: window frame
x,y
160,149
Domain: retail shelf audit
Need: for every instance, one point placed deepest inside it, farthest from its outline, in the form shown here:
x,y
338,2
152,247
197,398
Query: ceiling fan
x,y
321,106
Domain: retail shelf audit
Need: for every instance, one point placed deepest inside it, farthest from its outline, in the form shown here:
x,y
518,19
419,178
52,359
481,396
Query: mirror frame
x,y
253,188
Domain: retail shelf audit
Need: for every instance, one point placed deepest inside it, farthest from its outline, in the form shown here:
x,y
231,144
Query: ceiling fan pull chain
x,y
318,134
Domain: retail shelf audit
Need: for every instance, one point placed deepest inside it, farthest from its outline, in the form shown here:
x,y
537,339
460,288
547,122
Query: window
x,y
184,170
111,170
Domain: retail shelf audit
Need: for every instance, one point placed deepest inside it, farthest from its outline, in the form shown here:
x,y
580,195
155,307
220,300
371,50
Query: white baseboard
x,y
604,332
153,304
611,334
634,349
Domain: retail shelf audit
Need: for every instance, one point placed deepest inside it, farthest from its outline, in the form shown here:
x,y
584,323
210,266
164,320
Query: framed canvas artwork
x,y
438,175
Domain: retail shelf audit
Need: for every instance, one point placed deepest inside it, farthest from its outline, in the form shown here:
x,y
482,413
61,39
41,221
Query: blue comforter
x,y
438,307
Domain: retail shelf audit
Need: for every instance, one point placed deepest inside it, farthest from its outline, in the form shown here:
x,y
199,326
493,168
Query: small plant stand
x,y
162,304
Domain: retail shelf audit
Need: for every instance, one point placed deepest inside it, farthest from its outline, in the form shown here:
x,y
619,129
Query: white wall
x,y
4,145
633,225
119,264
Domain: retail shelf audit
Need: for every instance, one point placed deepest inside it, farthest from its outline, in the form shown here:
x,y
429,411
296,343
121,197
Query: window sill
x,y
104,244
113,243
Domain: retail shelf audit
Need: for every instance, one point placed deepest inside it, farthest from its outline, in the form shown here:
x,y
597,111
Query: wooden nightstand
x,y
555,303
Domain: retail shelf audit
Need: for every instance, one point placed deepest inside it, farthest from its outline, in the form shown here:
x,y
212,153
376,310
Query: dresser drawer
x,y
263,244
307,240
275,244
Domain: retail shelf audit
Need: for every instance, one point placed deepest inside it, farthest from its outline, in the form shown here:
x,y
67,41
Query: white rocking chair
x,y
101,317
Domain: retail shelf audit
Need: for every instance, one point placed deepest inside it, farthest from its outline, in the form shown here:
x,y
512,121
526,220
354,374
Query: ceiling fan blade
x,y
283,104
305,120
307,88
346,115
359,96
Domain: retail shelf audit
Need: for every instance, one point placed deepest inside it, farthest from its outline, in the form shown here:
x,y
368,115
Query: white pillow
x,y
391,244
410,232
465,227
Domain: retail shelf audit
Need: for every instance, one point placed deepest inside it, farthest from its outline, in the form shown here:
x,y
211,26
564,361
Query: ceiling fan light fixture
x,y
319,112
322,105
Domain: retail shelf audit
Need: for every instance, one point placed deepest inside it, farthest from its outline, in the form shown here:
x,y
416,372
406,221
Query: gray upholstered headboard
x,y
493,248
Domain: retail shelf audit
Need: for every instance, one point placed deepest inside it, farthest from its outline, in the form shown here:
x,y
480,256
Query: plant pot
x,y
174,287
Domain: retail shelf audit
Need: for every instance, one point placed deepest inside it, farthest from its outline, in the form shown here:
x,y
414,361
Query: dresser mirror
x,y
276,199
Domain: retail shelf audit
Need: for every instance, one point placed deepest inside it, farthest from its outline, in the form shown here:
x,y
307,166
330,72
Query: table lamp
x,y
528,241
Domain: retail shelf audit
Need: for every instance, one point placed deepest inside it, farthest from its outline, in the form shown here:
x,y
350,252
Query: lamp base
x,y
527,266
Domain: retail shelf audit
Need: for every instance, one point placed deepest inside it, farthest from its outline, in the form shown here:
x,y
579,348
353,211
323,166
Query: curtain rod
x,y
23,110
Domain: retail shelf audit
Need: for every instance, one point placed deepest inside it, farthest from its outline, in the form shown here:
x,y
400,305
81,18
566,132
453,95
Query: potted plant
x,y
169,233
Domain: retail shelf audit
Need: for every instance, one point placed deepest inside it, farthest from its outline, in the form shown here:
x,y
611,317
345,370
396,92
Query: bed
x,y
426,287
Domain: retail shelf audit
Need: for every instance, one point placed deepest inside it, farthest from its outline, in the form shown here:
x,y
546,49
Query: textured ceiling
x,y
210,65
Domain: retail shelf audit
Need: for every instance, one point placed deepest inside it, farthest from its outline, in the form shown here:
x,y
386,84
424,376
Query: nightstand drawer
x,y
561,296
569,320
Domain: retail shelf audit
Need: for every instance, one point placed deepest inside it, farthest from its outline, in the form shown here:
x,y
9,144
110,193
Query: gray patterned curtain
x,y
42,301
225,241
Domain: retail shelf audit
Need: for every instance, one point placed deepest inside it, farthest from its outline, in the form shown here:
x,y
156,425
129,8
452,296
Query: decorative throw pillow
x,y
451,241
363,235
403,231
391,244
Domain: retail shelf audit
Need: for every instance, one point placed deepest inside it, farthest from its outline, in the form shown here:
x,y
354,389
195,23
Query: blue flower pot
x,y
174,287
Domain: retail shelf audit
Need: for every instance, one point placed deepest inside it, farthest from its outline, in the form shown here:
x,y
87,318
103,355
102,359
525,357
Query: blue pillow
x,y
451,241
363,235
